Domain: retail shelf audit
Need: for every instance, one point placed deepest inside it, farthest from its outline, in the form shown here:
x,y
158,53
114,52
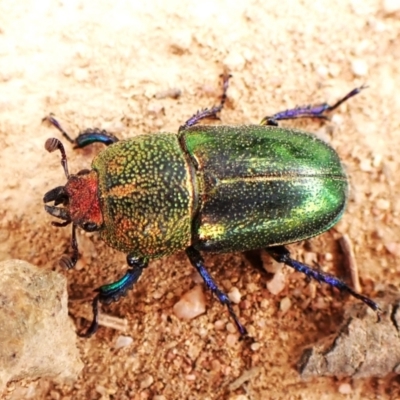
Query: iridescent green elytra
x,y
207,188
262,186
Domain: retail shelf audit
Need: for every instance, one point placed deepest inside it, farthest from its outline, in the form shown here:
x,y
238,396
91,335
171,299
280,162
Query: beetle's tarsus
x,y
309,111
95,322
198,262
282,255
50,118
209,112
75,249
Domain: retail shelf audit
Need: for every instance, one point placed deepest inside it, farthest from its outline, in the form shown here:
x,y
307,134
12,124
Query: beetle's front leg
x,y
282,255
198,262
86,137
113,291
309,111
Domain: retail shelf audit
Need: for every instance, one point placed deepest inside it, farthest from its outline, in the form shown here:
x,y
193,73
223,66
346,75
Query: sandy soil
x,y
104,64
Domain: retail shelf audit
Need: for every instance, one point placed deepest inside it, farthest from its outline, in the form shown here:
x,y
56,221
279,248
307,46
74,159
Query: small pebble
x,y
359,67
383,204
255,346
231,339
157,295
234,295
123,341
231,328
191,304
365,165
264,304
277,283
393,248
285,304
322,71
337,119
219,325
377,161
146,382
345,388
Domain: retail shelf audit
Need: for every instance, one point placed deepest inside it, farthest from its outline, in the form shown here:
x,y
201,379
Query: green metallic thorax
x,y
146,195
262,186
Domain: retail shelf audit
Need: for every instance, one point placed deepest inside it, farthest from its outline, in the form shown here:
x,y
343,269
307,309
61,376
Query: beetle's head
x,y
77,202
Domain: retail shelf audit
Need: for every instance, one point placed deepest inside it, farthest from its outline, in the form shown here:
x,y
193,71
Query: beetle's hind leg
x,y
198,262
113,291
282,255
86,137
309,111
209,112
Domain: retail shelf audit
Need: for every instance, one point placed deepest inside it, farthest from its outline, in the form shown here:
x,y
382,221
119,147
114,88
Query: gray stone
x,y
37,338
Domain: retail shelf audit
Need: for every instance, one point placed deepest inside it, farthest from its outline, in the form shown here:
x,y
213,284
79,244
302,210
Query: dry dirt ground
x,y
108,64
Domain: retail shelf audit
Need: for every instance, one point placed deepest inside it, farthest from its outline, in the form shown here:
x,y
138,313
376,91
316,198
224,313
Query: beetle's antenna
x,y
53,144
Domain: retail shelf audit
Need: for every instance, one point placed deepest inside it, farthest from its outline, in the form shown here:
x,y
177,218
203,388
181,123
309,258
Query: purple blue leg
x,y
282,255
309,111
209,112
198,262
86,137
113,291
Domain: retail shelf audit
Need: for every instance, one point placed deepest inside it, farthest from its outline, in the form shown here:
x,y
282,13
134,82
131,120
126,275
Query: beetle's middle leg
x,y
209,112
86,137
309,111
113,291
282,255
197,261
